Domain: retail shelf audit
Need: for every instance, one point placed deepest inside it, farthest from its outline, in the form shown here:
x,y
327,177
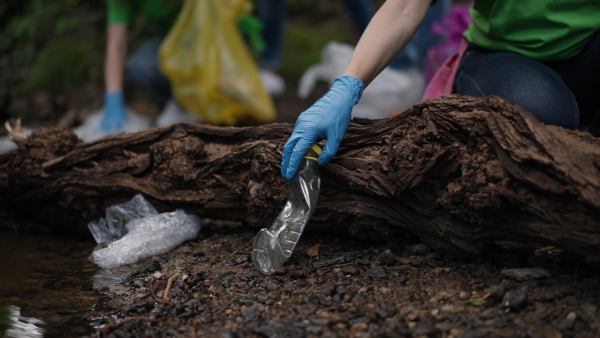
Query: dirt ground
x,y
339,286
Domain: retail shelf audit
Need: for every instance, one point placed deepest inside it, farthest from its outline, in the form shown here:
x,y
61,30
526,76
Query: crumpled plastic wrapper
x,y
134,230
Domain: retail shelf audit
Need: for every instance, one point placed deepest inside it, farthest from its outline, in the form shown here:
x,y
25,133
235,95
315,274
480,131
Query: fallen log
x,y
459,172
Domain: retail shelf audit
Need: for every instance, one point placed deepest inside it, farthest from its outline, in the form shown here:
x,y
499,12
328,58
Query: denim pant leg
x,y
273,14
415,52
522,81
143,71
582,76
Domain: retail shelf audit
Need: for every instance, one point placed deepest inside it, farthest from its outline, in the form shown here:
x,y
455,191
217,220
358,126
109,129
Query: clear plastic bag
x,y
274,245
134,229
210,67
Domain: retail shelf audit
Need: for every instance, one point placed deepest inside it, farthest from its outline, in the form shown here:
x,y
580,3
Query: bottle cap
x,y
313,153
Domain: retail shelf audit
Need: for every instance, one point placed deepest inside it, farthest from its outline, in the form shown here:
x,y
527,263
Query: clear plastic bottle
x,y
274,245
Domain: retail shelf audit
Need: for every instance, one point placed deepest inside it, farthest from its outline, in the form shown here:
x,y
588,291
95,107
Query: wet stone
x,y
311,299
377,273
387,258
515,299
418,249
563,324
523,274
350,270
252,313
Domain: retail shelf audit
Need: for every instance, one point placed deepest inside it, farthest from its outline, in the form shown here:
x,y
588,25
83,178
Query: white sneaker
x,y
273,82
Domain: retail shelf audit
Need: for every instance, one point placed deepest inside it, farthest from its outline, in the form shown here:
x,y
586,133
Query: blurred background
x,y
52,54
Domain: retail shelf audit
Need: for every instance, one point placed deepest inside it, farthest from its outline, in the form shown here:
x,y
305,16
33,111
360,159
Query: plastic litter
x,y
210,68
134,230
91,130
274,245
391,92
173,113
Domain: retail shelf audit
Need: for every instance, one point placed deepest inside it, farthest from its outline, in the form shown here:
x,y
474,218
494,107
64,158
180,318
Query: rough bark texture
x,y
459,172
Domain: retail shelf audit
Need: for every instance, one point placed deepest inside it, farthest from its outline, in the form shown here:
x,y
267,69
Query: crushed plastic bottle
x,y
274,245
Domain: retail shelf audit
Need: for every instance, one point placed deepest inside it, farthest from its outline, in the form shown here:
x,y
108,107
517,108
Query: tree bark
x,y
458,172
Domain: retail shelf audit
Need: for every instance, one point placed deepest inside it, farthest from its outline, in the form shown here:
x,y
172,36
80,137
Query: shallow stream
x,y
46,285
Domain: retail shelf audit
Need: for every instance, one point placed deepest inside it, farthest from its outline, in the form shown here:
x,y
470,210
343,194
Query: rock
x,y
350,270
329,262
515,299
563,324
418,249
474,333
523,274
387,258
252,313
377,273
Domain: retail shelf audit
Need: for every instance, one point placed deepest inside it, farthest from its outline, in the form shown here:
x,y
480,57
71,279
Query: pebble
x,y
515,299
251,313
377,273
418,249
387,258
523,274
563,324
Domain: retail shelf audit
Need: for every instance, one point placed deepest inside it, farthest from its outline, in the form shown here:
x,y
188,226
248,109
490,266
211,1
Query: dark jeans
x,y
565,93
143,72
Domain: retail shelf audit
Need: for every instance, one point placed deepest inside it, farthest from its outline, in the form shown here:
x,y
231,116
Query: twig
x,y
169,283
125,321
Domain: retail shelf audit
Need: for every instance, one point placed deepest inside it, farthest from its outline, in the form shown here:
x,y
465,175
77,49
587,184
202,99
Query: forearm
x,y
116,52
389,31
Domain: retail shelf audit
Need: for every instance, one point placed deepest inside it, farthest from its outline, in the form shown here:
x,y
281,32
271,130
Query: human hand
x,y
329,117
115,117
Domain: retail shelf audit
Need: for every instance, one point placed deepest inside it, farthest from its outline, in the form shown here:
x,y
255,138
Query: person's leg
x,y
273,14
520,80
582,76
143,71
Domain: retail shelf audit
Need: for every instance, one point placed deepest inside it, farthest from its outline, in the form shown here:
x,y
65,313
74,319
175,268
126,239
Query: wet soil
x,y
339,286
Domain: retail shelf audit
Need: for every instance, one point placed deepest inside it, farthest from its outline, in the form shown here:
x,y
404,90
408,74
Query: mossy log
x,y
458,172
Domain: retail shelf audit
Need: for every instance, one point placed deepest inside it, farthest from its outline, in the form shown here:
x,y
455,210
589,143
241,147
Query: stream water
x,y
46,285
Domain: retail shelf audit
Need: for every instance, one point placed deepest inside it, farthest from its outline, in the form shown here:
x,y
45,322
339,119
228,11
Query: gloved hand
x,y
329,117
115,117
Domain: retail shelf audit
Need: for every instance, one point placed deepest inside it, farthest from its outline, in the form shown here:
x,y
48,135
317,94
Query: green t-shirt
x,y
546,30
161,12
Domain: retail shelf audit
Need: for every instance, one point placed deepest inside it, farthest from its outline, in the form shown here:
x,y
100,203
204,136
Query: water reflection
x,y
13,325
49,278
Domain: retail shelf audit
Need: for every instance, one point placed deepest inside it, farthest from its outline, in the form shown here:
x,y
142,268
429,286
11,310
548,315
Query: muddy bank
x,y
336,286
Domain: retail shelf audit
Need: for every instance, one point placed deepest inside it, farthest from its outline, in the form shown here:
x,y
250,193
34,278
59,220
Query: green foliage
x,y
62,64
33,34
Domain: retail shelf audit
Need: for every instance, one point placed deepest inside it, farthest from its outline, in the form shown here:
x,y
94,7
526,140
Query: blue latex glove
x,y
329,117
115,117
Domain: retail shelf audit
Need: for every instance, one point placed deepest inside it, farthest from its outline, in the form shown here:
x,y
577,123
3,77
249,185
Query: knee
x,y
549,105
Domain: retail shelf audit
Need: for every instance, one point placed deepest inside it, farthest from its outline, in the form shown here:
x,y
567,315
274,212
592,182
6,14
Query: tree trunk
x,y
458,171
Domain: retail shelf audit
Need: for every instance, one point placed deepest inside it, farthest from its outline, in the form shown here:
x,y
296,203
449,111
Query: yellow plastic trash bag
x,y
210,68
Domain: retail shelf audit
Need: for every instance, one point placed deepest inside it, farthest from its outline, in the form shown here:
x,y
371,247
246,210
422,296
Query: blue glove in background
x,y
115,117
329,117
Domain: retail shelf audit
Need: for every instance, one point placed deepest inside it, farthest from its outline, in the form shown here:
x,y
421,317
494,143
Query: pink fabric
x,y
443,80
450,28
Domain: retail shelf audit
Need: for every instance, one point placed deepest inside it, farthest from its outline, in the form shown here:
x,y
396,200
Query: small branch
x,y
169,283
